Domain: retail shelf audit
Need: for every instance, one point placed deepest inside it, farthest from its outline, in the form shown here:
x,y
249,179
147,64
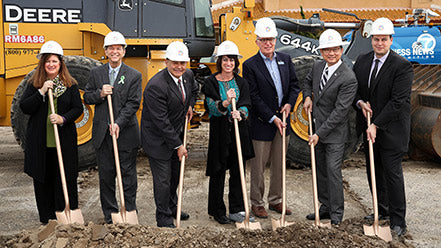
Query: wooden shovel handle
x,y
181,178
373,179
241,170
283,169
117,164
314,174
60,156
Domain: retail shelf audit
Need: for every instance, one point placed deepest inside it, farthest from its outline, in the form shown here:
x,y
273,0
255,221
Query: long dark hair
x,y
39,77
219,63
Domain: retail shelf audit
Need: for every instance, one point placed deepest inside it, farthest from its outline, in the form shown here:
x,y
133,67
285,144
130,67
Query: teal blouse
x,y
213,106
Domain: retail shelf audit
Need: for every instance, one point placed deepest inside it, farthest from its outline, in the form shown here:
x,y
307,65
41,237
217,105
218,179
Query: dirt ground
x,y
20,226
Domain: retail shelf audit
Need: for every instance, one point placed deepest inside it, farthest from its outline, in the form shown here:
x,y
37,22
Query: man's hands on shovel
x,y
307,106
114,130
372,129
182,151
278,122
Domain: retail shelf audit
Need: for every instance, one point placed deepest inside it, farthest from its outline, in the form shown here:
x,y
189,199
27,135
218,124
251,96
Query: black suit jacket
x,y
389,96
264,99
126,99
163,113
331,106
69,106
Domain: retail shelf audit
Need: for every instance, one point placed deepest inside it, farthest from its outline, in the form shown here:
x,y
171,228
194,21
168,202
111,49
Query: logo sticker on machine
x,y
125,5
422,48
14,13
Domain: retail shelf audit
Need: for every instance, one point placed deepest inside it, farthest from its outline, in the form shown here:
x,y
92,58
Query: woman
x,y
41,161
219,89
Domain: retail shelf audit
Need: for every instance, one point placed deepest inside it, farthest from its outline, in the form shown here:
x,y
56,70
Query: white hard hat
x,y
330,38
50,47
177,51
382,26
114,38
228,48
266,28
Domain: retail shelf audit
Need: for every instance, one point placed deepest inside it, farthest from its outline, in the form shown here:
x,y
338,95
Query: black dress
x,y
41,162
222,151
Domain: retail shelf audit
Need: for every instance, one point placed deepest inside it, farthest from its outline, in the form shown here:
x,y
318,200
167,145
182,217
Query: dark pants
x,y
216,205
390,183
49,194
107,175
329,159
165,182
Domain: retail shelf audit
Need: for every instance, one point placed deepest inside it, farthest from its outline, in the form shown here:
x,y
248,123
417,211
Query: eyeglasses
x,y
332,49
265,40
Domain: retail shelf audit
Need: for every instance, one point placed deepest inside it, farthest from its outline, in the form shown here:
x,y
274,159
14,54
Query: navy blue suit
x,y
263,93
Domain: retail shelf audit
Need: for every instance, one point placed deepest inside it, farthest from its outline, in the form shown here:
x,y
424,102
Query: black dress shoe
x,y
323,216
184,216
222,219
335,222
168,226
380,217
400,231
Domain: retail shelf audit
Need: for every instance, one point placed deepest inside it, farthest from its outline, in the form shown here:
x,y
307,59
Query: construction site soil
x,y
20,226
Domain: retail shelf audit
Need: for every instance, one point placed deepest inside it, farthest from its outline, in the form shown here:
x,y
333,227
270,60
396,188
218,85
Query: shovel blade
x,y
383,232
62,218
66,217
130,218
324,225
276,223
250,226
117,218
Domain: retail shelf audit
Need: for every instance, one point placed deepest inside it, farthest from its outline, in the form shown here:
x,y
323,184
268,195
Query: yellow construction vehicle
x,y
80,26
149,26
238,26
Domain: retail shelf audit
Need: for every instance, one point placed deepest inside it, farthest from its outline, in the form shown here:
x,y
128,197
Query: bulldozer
x,y
80,27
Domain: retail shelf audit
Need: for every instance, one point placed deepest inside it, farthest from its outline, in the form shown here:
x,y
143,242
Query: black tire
x,y
298,149
79,67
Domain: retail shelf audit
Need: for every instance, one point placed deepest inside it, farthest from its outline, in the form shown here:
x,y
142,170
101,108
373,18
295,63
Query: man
x,y
168,98
273,90
332,86
384,87
123,83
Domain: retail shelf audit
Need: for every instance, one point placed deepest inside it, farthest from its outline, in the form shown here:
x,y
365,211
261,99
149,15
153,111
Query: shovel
x,y
246,222
122,216
314,181
281,222
181,179
66,216
383,232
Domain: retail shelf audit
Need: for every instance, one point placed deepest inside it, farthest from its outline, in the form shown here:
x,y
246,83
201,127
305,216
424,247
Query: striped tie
x,y
324,80
112,77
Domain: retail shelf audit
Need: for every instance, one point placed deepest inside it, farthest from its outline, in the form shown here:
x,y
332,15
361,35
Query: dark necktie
x,y
374,72
182,90
323,80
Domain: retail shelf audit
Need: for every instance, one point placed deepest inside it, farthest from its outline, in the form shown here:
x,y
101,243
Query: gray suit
x,y
126,99
162,126
330,115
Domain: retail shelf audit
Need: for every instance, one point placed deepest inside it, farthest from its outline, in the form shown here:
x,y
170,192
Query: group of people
x,y
379,84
